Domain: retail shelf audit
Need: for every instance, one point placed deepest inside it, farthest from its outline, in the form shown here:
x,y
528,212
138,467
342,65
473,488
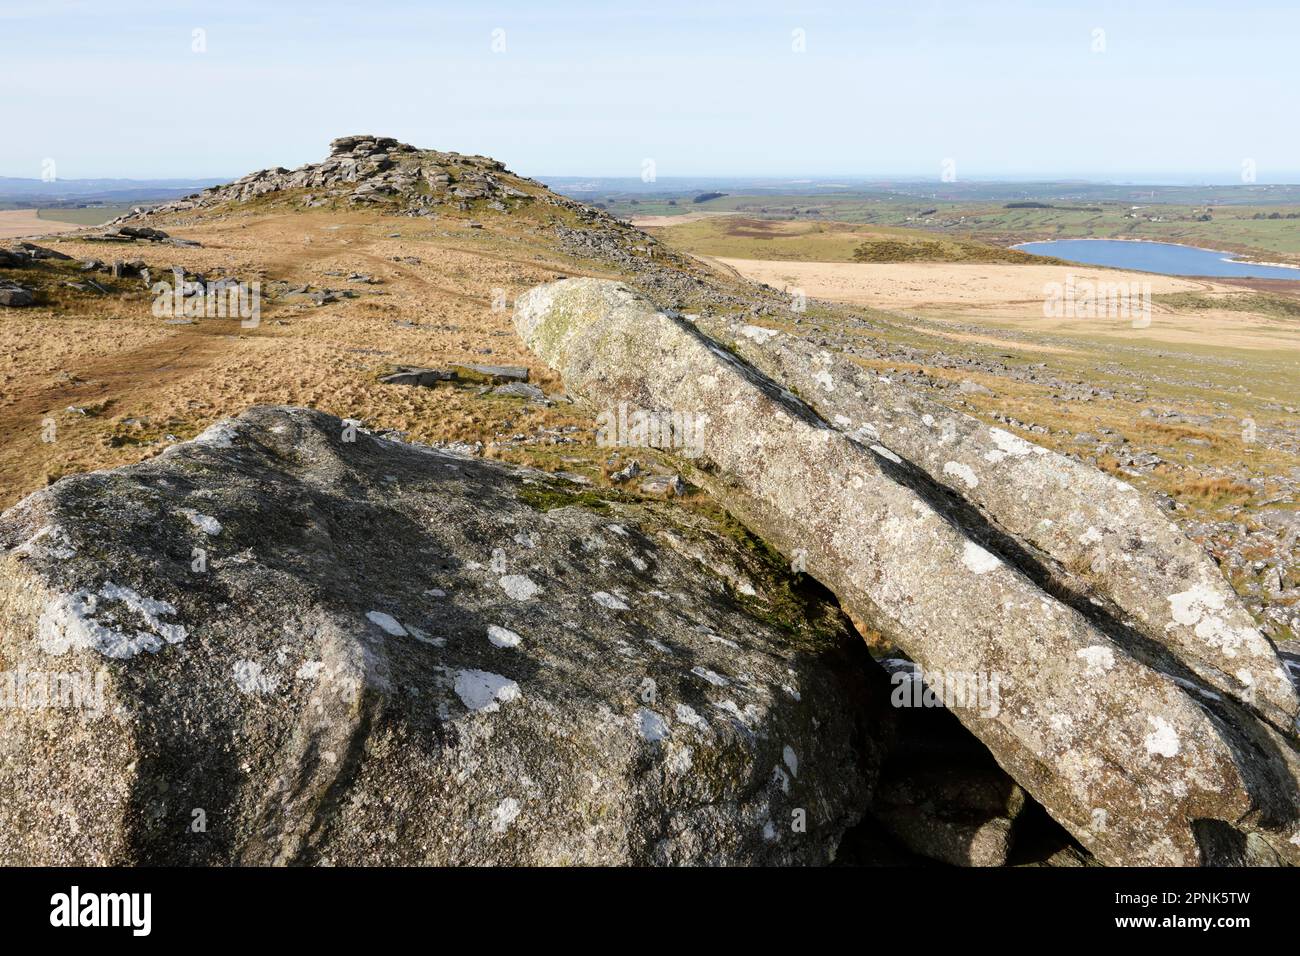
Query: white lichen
x,y
1163,741
977,560
758,334
506,812
964,472
1098,659
71,621
386,623
717,680
250,678
483,690
1010,444
205,523
520,587
502,637
605,599
651,726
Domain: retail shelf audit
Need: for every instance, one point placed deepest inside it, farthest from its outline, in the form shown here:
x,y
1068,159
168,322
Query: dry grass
x,y
1212,490
119,384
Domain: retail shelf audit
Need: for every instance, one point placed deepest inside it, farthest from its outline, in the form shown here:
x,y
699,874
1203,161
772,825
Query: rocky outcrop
x,y
1090,533
376,171
380,173
1123,740
290,641
23,254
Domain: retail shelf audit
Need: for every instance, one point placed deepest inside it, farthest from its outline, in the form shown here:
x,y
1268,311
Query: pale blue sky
x,y
1185,89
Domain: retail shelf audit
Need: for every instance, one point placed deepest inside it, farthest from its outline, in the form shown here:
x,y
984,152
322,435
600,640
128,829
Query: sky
x,y
1153,91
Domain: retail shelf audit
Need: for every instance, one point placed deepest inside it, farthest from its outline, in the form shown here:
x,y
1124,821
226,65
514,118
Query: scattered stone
x,y
40,252
521,390
424,377
491,374
141,232
627,473
664,486
14,296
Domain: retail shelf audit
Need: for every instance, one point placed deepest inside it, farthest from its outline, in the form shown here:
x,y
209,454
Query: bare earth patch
x,y
1012,296
651,222
21,223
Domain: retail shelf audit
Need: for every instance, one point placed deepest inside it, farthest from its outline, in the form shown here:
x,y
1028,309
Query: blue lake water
x,y
1164,257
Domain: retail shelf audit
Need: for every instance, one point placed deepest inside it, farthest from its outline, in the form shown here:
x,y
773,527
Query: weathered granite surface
x,y
1106,726
306,644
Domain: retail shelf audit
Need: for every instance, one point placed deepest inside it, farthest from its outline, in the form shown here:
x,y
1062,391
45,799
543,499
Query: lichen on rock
x,y
362,670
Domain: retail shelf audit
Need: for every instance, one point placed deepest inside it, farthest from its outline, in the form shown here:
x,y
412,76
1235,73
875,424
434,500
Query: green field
x,y
1266,232
85,216
738,237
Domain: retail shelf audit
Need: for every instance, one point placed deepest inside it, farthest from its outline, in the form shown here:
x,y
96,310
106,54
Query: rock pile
x,y
377,170
140,234
23,254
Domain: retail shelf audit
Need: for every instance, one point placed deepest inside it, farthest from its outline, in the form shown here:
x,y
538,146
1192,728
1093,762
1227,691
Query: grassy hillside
x,y
739,237
112,382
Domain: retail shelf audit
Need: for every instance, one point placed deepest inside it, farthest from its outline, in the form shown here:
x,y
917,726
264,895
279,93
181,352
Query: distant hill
x,y
37,192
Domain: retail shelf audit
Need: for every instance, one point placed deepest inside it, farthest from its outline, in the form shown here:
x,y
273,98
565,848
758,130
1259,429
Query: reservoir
x,y
1164,257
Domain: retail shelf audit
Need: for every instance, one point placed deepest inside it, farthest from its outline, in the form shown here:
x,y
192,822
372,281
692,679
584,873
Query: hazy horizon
x,y
1171,93
850,180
